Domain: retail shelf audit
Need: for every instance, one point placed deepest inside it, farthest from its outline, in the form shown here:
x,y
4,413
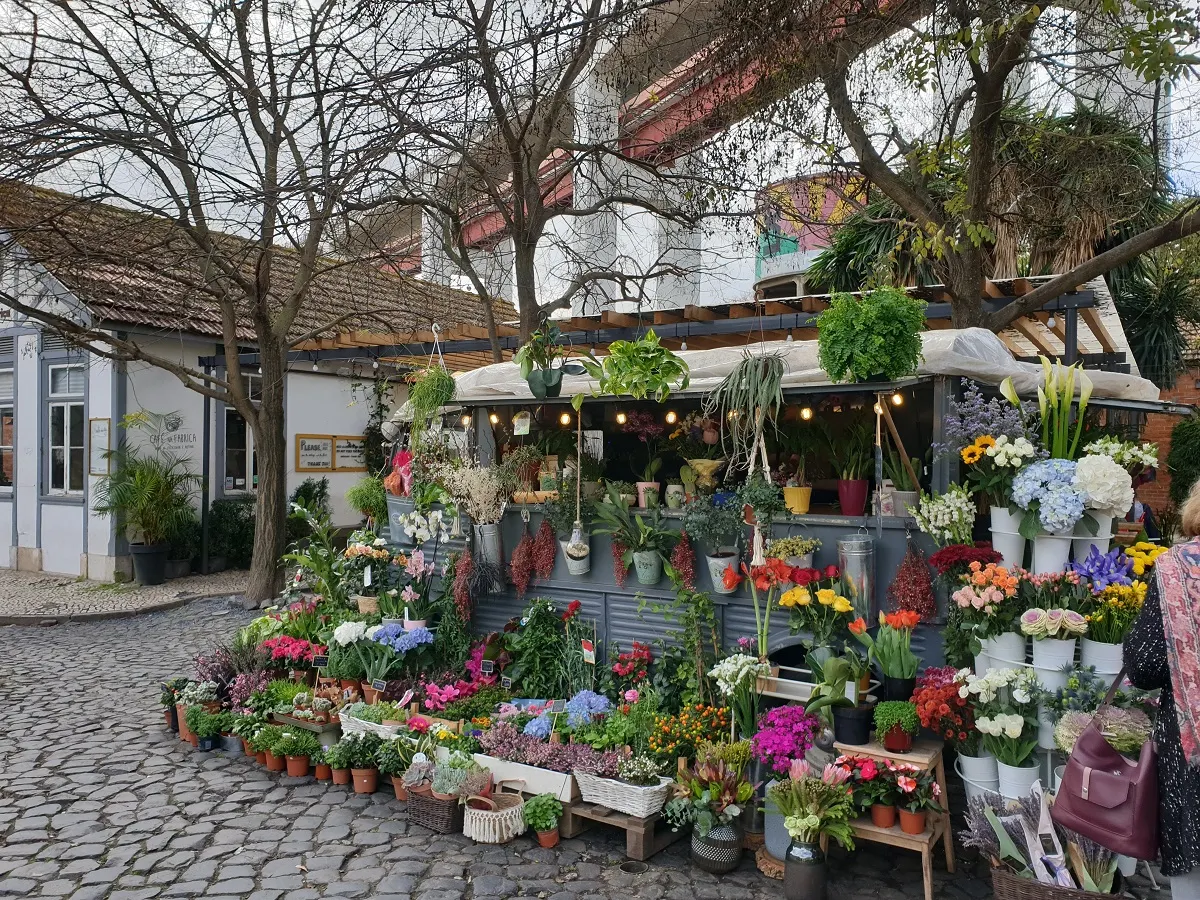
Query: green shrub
x,y
891,713
368,498
1183,460
231,531
543,812
877,336
296,742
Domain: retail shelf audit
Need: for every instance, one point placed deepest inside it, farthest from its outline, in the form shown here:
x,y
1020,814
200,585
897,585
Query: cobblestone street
x,y
99,800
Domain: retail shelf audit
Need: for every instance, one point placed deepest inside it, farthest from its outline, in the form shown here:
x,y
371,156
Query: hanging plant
x,y
430,391
545,549
745,399
641,369
620,570
683,562
520,568
912,588
462,585
537,358
875,336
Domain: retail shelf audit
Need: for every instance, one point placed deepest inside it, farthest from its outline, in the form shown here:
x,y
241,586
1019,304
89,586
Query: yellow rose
x,y
797,596
825,597
842,605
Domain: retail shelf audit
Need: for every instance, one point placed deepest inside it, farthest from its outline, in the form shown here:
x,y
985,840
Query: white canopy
x,y
974,353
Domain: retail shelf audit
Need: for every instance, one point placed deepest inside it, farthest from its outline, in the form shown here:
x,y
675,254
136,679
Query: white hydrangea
x,y
349,632
1106,486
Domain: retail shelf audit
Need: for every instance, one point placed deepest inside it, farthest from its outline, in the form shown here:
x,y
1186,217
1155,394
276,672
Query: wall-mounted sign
x,y
99,432
314,452
350,453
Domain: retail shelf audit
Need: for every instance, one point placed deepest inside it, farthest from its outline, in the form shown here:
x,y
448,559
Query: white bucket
x,y
1011,547
1050,553
576,566
983,662
1106,659
1017,781
1007,650
1053,654
1003,520
1126,865
716,571
975,787
1045,729
1083,542
1059,771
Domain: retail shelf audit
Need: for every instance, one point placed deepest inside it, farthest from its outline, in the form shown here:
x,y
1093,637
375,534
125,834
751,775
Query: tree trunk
x,y
964,281
526,284
270,511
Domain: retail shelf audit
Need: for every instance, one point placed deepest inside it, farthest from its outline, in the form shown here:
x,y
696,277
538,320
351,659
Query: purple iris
x,y
1105,569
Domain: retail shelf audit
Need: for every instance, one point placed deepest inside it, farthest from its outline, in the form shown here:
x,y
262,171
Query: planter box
x,y
537,781
323,730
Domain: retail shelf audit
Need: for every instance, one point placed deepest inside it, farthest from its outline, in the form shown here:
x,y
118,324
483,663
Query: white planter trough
x,y
537,781
983,662
1106,659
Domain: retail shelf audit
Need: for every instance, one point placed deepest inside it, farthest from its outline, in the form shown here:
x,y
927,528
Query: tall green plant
x,y
1159,307
149,494
1183,460
369,498
745,400
319,558
431,390
850,451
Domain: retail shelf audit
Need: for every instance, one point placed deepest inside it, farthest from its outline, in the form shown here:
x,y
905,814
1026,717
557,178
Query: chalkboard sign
x,y
350,453
558,706
320,662
487,667
506,683
379,684
314,453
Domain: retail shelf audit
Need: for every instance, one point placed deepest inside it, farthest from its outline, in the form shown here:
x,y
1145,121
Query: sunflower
x,y
985,442
971,455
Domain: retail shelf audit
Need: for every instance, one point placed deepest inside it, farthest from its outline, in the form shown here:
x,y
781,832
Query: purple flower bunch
x,y
402,641
973,416
246,684
784,734
1105,569
586,706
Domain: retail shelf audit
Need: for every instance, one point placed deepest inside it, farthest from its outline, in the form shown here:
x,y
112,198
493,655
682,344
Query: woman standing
x,y
1162,651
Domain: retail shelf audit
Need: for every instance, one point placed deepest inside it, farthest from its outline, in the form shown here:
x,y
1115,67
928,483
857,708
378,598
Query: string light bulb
x,y
806,413
374,364
878,409
1051,322
564,419
466,420
316,368
494,419
733,414
789,337
672,417
897,399
622,418
683,344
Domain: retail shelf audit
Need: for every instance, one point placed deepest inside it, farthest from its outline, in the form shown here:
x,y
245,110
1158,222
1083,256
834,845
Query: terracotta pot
x,y
340,776
275,763
297,766
748,514
370,695
883,816
246,748
399,788
897,740
193,739
181,712
348,685
261,757
167,718
437,796
911,822
211,706
424,790
548,839
365,780
323,772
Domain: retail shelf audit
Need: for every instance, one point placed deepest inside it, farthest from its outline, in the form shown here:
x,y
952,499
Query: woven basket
x,y
631,799
503,821
352,725
367,604
1007,886
441,816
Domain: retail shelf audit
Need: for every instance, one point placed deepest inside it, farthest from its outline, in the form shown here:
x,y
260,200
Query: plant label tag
x,y
851,691
379,684
367,577
506,683
487,667
299,575
521,422
558,706
589,652
320,662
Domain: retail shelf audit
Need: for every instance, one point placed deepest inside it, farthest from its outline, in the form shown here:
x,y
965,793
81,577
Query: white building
x,y
60,406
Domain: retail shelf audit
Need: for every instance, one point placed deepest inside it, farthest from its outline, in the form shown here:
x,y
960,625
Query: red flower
x,y
731,579
832,572
858,626
572,610
804,577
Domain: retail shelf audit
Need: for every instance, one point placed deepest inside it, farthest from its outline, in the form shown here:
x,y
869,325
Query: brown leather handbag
x,y
1108,798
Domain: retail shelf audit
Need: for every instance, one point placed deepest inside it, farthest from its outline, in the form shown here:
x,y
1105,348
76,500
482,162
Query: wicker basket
x,y
367,604
441,816
1007,886
352,725
500,823
631,799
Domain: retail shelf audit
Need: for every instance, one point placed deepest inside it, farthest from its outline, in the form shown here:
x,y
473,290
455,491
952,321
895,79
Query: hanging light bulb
x,y
789,337
806,413
622,418
466,420
374,364
1051,322
897,399
564,419
683,344
494,419
878,409
672,417
316,368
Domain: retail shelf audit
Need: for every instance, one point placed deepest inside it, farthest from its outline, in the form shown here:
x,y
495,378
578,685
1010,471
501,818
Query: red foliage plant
x,y
545,549
683,561
620,570
462,585
912,588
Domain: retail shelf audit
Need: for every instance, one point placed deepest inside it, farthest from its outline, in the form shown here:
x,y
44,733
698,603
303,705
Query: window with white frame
x,y
7,460
67,429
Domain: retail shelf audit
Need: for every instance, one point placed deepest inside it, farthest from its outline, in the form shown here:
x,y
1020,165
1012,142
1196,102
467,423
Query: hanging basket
x,y
500,822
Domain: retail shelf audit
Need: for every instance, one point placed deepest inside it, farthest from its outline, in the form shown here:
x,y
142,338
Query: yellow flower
x,y
971,455
825,597
985,441
797,596
1139,567
842,605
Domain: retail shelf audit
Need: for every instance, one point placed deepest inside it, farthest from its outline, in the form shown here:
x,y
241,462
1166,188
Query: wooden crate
x,y
643,837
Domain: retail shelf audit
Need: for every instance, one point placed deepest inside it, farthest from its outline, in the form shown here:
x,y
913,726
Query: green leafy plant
x,y
890,713
749,396
296,743
641,369
851,451
543,812
1062,427
763,496
712,523
264,739
319,557
341,754
430,391
680,675
537,358
894,468
540,651
877,336
636,533
1183,459
369,498
149,494
482,703
363,748
560,513
711,793
231,530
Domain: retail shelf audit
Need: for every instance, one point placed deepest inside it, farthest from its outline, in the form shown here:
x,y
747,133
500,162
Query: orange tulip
x,y
858,626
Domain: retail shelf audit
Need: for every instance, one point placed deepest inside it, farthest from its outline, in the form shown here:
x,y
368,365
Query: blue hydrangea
x,y
585,707
402,641
1048,486
539,727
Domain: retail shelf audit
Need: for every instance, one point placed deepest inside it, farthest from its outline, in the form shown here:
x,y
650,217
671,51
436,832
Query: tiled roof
x,y
142,270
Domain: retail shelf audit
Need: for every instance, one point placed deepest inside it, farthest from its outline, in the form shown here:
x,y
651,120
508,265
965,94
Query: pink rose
x,y
631,696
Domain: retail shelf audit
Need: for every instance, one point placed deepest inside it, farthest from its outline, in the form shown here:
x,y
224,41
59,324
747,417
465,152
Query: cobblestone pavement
x,y
99,800
31,598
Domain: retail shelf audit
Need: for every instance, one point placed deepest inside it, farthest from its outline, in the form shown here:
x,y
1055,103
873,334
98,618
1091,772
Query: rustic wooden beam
x,y
619,320
1032,333
699,313
1095,325
993,290
667,317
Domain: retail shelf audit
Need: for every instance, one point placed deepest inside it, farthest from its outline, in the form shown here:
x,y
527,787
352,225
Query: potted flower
x,y
737,679
851,455
542,814
697,440
838,699
992,464
1109,617
943,710
1006,716
796,550
418,777
543,361
986,605
322,771
338,758
816,605
363,769
896,723
948,517
718,526
648,430
675,493
784,733
205,726
813,807
892,647
761,501
297,747
918,793
647,543
709,797
264,742
1054,633
875,790
1053,502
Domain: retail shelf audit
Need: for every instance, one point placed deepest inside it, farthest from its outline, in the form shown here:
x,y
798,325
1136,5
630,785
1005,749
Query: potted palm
x,y
543,362
717,524
542,814
647,544
150,495
851,454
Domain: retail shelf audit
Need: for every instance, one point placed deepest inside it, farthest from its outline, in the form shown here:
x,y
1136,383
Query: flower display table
x,y
926,755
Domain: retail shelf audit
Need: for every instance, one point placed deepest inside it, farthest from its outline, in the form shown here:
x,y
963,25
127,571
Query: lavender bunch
x,y
973,416
1094,866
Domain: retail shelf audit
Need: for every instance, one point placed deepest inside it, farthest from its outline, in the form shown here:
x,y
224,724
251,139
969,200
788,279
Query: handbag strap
x,y
1112,690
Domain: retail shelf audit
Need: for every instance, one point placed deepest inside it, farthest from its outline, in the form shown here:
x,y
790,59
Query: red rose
x,y
831,572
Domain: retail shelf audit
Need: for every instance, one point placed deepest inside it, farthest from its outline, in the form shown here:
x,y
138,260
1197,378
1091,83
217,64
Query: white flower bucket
x,y
976,785
716,571
1050,553
1015,782
983,661
1045,728
1059,772
1051,655
1003,520
1082,542
576,566
1106,659
1007,651
1126,865
1011,547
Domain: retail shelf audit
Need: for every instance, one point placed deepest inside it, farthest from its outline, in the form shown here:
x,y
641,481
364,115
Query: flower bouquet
x,y
817,606
814,807
784,734
948,518
737,678
1133,458
1006,716
986,606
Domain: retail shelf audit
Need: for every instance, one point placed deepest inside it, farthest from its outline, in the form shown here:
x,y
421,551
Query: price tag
x,y
367,577
487,667
320,662
558,706
379,684
589,652
506,683
521,423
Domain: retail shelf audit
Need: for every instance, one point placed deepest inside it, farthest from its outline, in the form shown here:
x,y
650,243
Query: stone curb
x,y
78,618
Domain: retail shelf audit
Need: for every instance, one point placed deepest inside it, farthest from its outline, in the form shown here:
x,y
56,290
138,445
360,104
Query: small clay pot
x,y
340,776
911,822
246,748
897,740
297,766
365,780
322,771
370,695
548,839
275,763
399,788
883,816
261,757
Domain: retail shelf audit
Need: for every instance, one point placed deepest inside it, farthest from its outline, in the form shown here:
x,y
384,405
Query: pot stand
x,y
643,837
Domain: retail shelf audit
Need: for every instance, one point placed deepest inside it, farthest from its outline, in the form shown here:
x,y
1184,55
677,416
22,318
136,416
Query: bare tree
x,y
244,117
948,108
514,148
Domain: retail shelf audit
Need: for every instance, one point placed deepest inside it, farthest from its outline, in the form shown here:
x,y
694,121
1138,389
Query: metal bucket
x,y
856,559
488,539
